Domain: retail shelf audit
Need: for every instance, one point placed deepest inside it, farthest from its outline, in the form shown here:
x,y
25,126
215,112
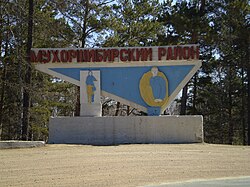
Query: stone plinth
x,y
126,130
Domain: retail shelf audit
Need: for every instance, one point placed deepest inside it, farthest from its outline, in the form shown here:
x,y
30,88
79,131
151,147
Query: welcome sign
x,y
146,78
110,55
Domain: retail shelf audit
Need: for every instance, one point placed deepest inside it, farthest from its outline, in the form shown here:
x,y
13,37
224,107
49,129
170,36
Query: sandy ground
x,y
123,165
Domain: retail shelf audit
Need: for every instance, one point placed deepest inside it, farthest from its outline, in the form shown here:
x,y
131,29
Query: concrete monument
x,y
146,78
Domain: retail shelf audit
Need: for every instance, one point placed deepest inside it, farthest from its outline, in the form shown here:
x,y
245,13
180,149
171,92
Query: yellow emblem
x,y
154,88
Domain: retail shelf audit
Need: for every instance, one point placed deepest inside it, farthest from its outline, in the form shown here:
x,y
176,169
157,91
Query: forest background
x,y
220,90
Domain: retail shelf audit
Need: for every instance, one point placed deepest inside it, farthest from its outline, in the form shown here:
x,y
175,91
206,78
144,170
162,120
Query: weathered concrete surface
x,y
20,144
91,110
126,130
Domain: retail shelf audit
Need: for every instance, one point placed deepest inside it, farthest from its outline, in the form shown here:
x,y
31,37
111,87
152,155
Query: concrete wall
x,y
123,130
10,144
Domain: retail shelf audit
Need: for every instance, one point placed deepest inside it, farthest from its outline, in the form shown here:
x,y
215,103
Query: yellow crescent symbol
x,y
147,92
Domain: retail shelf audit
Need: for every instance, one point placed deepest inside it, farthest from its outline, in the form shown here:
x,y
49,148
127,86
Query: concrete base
x,y
91,110
126,130
20,144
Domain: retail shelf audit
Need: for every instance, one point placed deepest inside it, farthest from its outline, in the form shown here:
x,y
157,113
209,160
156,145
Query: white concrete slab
x,y
10,144
90,102
126,130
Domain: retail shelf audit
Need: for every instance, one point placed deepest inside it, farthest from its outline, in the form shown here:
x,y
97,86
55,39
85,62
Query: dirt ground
x,y
123,165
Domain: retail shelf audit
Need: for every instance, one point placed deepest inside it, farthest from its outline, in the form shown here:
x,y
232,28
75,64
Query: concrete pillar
x,y
90,90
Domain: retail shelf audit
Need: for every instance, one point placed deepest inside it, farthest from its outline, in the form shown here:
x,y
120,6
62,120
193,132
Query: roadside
x,y
221,182
122,165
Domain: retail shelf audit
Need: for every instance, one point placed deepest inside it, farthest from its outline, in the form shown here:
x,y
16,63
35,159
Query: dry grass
x,y
123,165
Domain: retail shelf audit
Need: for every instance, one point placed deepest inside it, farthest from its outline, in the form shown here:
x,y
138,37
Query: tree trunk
x,y
230,122
248,100
84,27
27,79
78,104
2,89
3,78
202,7
117,108
194,94
243,112
194,39
185,89
128,110
2,99
248,87
3,86
184,100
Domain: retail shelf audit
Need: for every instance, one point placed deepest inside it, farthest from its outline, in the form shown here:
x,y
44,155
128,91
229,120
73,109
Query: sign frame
x,y
160,57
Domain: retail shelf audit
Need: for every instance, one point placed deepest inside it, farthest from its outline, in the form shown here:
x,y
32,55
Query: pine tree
x,y
87,19
133,23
